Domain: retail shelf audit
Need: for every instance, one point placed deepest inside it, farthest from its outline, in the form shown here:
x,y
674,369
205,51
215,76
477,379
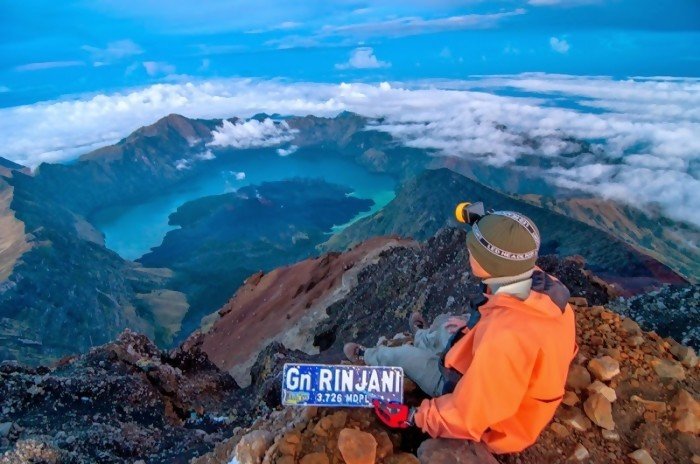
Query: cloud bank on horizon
x,y
644,132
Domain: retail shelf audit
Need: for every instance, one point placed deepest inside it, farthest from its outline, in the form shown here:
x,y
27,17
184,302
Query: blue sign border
x,y
307,397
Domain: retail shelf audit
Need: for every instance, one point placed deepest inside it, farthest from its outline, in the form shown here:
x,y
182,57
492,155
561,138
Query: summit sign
x,y
340,385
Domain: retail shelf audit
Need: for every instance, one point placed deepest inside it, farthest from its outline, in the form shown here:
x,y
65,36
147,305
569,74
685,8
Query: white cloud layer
x,y
363,58
252,134
645,133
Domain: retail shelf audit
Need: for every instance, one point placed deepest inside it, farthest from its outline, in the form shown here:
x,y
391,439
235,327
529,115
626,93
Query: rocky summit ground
x,y
632,396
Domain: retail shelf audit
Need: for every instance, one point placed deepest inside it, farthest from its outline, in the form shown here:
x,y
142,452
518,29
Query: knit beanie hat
x,y
504,243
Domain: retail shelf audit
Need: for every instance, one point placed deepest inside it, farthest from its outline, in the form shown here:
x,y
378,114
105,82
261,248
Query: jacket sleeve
x,y
490,391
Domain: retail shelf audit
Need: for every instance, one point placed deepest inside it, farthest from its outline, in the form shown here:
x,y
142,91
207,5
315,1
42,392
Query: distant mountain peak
x,y
175,130
183,126
8,166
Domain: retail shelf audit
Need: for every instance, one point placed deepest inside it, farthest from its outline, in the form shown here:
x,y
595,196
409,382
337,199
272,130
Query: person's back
x,y
518,354
503,373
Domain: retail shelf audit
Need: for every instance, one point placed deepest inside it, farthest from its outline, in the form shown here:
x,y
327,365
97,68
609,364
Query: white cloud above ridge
x,y
363,58
251,134
645,132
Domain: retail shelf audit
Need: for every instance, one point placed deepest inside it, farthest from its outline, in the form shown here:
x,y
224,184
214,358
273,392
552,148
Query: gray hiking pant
x,y
420,361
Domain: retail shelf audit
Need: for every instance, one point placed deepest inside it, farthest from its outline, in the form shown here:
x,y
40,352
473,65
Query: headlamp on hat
x,y
469,213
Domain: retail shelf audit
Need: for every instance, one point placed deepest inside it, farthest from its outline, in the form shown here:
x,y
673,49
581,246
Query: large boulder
x,y
448,451
357,447
604,368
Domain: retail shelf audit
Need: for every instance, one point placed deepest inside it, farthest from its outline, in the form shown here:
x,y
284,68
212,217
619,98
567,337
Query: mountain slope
x,y
301,293
674,244
67,293
13,241
7,167
426,203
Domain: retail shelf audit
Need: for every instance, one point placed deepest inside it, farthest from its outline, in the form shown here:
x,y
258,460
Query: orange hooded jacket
x,y
514,363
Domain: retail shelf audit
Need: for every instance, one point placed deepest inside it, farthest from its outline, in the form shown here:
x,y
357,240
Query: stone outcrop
x,y
121,402
285,305
672,311
687,413
604,368
599,409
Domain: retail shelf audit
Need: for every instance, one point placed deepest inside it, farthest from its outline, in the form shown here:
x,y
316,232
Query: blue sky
x,y
50,49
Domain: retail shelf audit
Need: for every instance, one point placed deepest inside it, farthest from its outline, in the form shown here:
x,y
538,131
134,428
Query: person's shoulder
x,y
552,287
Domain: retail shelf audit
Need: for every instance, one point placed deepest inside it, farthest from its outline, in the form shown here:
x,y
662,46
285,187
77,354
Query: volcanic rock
x,y
402,458
113,398
667,369
574,418
5,429
447,451
630,326
685,354
252,447
315,458
570,398
657,406
600,387
599,409
384,445
559,429
581,453
357,447
289,444
33,451
687,413
578,378
604,368
642,456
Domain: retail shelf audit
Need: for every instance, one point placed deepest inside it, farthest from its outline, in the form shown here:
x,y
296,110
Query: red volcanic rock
x,y
269,306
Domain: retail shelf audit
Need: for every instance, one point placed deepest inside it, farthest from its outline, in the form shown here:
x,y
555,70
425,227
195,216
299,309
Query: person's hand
x,y
455,323
394,415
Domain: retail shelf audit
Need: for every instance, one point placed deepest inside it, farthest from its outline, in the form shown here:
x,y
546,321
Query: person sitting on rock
x,y
499,376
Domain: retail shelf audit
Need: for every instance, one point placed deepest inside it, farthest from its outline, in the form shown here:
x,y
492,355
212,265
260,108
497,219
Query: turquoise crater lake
x,y
132,230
